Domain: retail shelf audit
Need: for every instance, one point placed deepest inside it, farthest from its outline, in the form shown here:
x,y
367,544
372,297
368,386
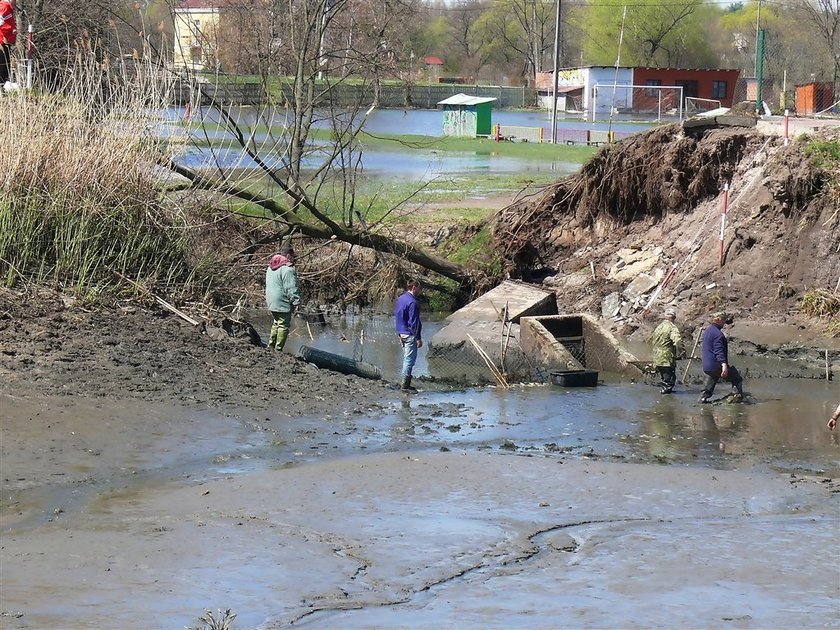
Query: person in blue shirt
x,y
716,359
410,330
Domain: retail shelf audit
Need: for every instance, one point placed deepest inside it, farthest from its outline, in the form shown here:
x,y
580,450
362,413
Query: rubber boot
x,y
406,385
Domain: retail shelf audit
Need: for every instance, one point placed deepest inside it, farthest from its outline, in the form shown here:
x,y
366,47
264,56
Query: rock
x,y
642,284
610,305
632,262
561,541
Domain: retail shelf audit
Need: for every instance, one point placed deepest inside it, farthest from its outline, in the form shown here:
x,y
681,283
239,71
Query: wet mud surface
x,y
150,472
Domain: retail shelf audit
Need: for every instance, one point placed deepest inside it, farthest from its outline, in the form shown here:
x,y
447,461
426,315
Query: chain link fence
x,y
480,353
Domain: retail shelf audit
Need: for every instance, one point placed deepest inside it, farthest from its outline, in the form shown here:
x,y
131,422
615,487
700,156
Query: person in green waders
x,y
667,348
282,294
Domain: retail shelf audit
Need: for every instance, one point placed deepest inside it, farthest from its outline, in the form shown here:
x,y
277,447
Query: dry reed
x,y
78,182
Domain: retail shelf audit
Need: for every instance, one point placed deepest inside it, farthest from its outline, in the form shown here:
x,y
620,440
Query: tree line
x,y
493,41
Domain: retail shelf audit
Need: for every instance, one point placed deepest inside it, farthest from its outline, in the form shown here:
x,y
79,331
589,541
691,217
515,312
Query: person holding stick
x,y
8,36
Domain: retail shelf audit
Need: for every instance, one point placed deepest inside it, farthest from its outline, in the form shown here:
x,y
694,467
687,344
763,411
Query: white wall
x,y
605,78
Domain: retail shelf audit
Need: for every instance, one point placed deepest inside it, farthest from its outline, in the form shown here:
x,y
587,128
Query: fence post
x,y
787,120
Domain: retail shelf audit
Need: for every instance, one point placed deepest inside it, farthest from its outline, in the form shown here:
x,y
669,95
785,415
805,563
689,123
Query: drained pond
x,y
532,506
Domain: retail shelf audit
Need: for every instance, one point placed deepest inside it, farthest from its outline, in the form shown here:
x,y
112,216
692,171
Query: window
x,y
195,28
652,83
718,89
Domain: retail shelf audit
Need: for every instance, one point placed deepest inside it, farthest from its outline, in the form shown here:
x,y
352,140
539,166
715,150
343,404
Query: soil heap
x,y
648,210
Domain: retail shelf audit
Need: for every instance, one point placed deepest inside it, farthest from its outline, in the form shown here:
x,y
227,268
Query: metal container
x,y
574,378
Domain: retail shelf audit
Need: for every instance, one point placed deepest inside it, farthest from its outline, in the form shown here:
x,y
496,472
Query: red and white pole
x,y
29,57
723,218
787,123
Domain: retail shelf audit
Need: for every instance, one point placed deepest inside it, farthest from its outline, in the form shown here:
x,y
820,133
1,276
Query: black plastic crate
x,y
574,378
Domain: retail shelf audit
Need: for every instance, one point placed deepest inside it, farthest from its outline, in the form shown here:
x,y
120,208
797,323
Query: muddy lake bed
x,y
535,506
411,522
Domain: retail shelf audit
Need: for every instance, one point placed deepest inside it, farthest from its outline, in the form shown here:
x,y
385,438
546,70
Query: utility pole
x,y
757,27
555,78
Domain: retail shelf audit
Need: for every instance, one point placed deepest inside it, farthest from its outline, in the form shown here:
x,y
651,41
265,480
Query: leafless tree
x,y
324,45
825,15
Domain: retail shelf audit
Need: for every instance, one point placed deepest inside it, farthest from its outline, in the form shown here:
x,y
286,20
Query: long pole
x,y
556,77
757,26
759,99
615,78
723,218
29,57
691,356
757,54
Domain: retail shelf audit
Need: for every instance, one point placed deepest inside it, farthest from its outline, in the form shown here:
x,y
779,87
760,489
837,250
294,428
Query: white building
x,y
579,89
196,24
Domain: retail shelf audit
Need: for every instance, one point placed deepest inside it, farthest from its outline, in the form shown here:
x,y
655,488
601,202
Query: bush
x,y
820,303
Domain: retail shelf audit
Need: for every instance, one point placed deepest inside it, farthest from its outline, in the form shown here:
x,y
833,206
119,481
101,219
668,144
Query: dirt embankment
x,y
148,354
659,196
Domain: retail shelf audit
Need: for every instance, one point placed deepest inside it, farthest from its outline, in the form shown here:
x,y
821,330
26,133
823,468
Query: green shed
x,y
469,116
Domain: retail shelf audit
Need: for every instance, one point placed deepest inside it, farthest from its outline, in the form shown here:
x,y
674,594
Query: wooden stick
x,y
500,379
827,370
507,327
498,314
688,365
309,330
160,300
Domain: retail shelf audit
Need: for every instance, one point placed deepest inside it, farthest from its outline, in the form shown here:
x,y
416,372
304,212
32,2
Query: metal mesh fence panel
x,y
490,356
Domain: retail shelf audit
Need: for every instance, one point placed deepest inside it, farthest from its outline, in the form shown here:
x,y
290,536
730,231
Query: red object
x,y
813,97
696,82
431,60
277,261
8,29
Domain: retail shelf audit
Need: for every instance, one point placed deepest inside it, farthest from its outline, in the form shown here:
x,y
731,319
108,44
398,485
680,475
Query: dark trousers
x,y
668,374
712,379
5,63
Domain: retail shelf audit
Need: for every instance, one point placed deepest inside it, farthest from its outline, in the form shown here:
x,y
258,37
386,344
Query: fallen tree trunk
x,y
327,229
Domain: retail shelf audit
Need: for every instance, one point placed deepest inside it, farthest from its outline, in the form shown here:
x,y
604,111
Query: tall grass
x,y
78,193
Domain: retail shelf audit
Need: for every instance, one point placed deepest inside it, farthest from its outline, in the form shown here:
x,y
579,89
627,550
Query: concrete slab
x,y
521,299
451,350
575,341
